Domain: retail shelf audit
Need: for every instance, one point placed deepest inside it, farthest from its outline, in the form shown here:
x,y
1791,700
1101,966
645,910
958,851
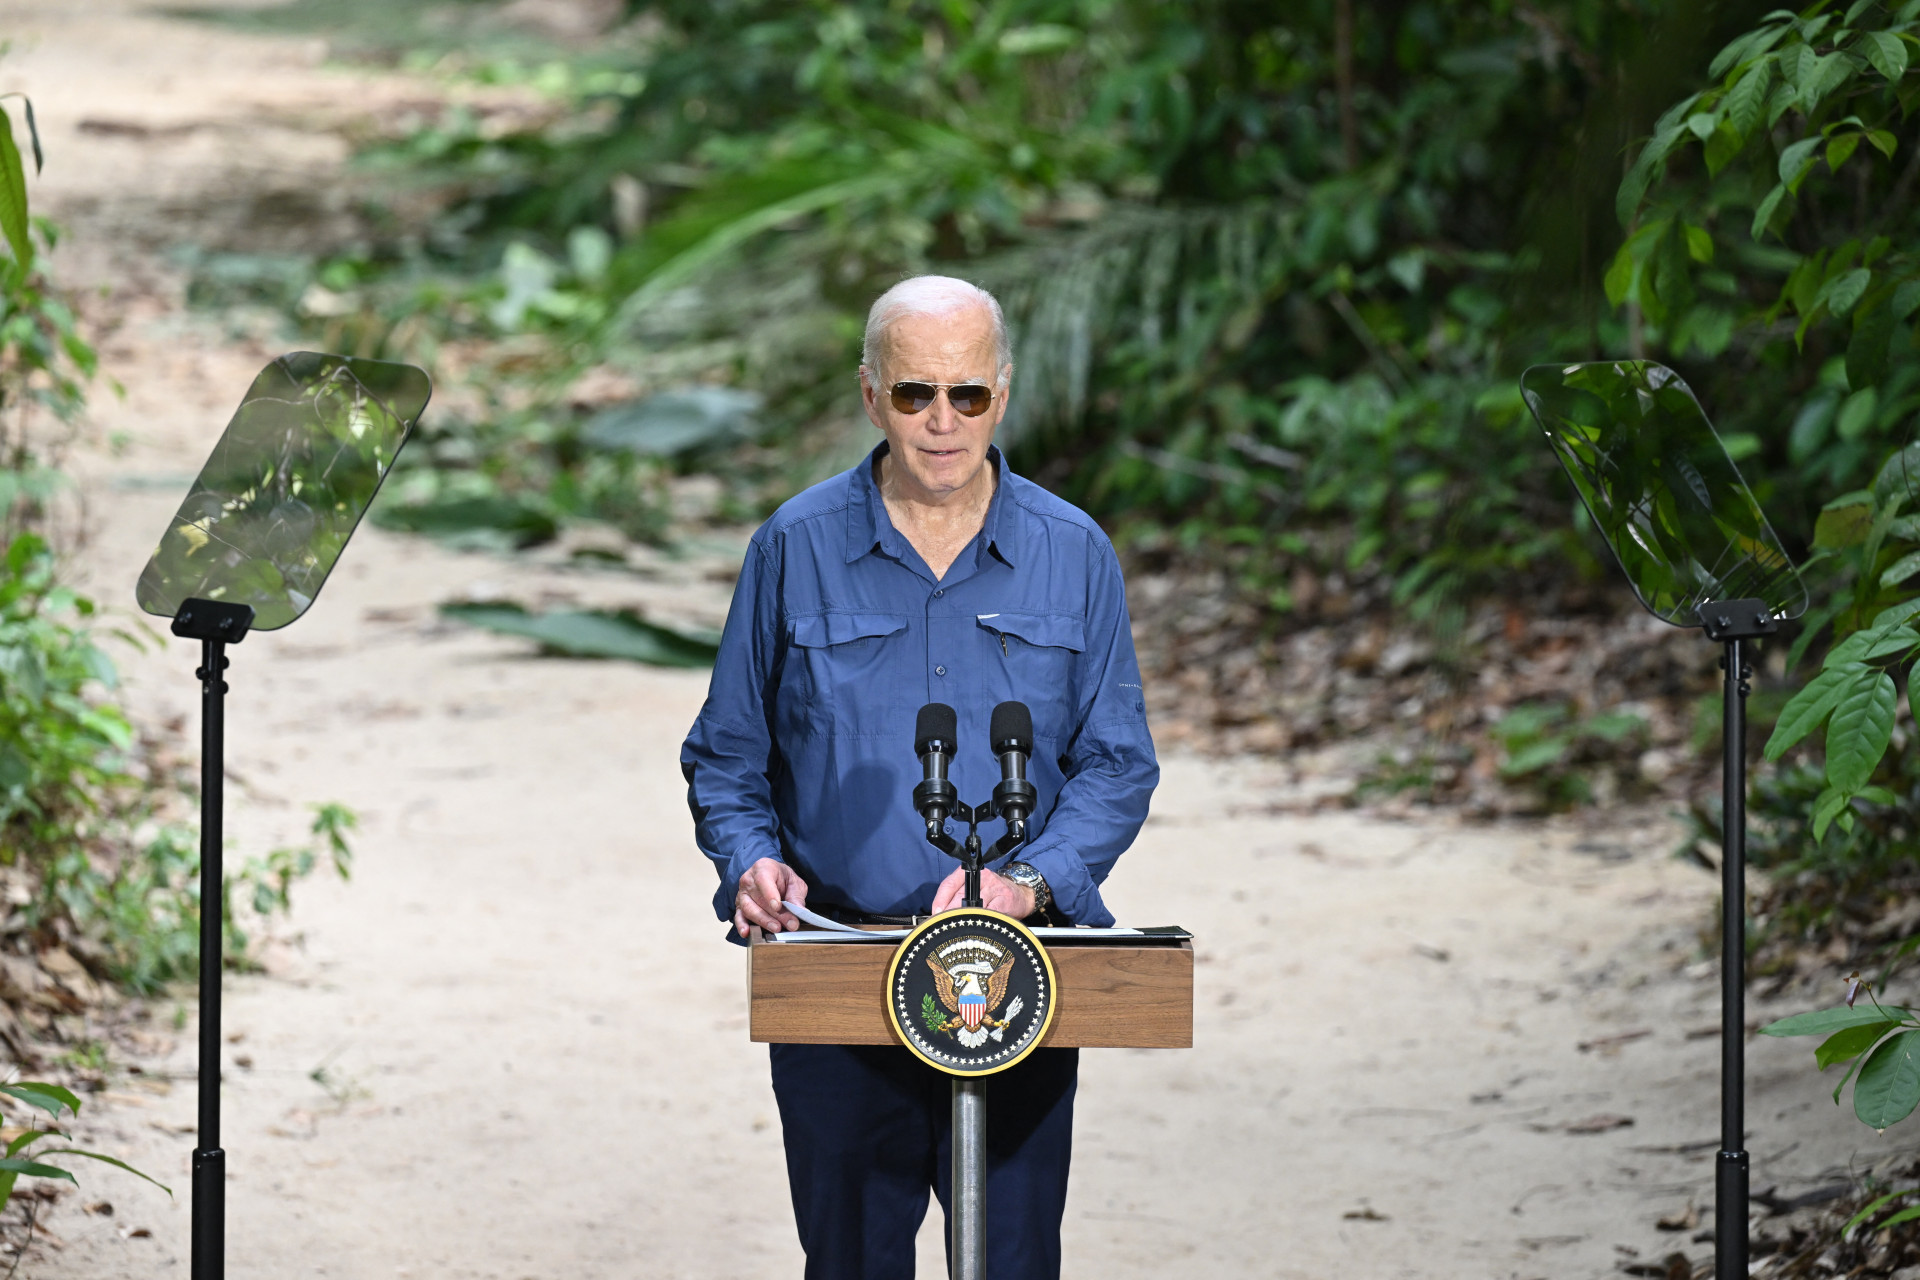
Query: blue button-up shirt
x,y
839,633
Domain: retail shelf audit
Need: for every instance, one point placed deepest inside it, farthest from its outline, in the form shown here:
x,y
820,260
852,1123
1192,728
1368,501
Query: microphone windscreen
x,y
1011,728
937,722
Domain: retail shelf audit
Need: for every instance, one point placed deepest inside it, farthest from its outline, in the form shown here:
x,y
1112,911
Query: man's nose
x,y
941,416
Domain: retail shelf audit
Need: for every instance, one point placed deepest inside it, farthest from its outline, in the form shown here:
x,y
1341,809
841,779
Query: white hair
x,y
933,296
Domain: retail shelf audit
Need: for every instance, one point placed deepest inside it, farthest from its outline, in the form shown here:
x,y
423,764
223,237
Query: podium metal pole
x,y
969,1191
968,1220
1730,1170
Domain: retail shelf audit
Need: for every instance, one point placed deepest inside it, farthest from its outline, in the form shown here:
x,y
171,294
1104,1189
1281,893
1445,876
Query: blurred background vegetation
x,y
1273,272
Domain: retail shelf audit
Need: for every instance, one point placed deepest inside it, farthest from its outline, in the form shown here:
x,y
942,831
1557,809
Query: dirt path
x,y
515,1048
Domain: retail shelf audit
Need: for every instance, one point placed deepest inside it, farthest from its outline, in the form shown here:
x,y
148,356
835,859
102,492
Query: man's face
x,y
938,450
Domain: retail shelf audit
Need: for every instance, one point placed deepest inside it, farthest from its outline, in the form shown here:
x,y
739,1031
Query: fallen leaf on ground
x,y
1604,1043
1592,1124
593,633
1685,1220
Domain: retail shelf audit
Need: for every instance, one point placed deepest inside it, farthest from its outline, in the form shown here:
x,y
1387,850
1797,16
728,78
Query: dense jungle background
x,y
1273,273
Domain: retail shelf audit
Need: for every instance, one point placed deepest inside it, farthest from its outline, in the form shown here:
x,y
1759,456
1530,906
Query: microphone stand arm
x,y
972,855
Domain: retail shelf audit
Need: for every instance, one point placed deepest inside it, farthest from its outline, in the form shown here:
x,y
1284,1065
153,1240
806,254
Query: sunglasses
x,y
969,399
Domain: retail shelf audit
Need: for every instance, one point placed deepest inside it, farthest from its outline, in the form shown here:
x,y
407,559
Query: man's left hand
x,y
996,893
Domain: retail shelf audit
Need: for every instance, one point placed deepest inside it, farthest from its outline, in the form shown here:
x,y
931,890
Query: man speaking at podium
x,y
927,573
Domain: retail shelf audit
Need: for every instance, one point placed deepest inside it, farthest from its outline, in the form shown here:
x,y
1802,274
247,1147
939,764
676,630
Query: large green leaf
x,y
1874,642
118,1164
1796,160
593,633
1763,214
32,1169
1844,521
1824,1022
50,1098
1872,1208
1889,1085
1807,708
1747,100
1886,51
1849,1043
482,520
1858,730
1900,570
13,194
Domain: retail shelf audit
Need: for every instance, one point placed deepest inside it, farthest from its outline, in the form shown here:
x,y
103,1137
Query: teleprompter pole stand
x,y
1732,624
215,626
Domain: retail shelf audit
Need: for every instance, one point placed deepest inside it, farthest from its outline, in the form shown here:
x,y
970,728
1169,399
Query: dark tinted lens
x,y
970,400
912,397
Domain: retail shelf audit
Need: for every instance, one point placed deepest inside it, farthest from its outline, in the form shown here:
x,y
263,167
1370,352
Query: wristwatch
x,y
1021,873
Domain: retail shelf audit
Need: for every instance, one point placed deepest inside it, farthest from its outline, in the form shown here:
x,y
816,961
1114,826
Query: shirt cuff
x,y
1075,895
723,897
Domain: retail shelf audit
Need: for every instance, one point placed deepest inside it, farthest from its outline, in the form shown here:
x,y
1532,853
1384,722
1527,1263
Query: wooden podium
x,y
1112,994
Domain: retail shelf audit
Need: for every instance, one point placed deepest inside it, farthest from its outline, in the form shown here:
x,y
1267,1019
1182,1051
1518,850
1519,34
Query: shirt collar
x,y
869,526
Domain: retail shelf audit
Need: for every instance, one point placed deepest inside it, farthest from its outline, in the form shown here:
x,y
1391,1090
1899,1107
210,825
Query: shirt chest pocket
x,y
840,674
1041,652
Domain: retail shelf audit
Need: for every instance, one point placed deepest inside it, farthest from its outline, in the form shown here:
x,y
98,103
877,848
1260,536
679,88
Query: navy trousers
x,y
868,1132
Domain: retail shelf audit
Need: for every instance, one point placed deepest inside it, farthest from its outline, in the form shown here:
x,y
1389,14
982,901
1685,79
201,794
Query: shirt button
x,y
942,591
939,671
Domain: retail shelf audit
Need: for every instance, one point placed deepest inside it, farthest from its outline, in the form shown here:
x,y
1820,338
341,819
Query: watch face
x,y
970,992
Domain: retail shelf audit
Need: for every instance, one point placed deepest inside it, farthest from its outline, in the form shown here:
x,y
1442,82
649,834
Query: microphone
x,y
1011,734
934,734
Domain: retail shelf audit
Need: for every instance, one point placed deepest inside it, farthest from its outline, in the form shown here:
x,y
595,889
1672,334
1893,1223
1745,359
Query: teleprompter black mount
x,y
1726,620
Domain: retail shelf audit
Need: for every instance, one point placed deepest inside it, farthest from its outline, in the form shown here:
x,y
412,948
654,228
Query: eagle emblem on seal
x,y
970,975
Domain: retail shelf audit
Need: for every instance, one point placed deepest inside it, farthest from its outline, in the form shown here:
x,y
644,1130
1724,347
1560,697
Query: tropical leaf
x,y
593,633
1824,1022
50,1098
1886,52
1859,729
13,194
1850,1043
1888,1087
1808,708
1746,102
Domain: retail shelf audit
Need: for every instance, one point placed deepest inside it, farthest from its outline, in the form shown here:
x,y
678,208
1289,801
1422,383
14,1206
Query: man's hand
x,y
768,883
996,894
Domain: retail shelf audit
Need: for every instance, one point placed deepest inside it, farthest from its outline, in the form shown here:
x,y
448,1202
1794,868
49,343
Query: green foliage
x,y
1880,1041
1260,296
57,748
81,821
1904,1215
1770,223
1553,751
593,633
28,1152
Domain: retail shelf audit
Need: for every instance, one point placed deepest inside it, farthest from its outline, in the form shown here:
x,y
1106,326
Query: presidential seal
x,y
971,992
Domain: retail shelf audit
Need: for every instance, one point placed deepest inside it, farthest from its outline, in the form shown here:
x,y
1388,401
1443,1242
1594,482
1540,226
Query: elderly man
x,y
927,573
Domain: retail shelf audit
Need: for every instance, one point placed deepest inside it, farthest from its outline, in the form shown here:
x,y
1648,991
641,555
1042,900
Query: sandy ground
x,y
514,1047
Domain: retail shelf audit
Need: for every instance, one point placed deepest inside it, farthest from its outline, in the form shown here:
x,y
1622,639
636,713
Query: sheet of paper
x,y
819,921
